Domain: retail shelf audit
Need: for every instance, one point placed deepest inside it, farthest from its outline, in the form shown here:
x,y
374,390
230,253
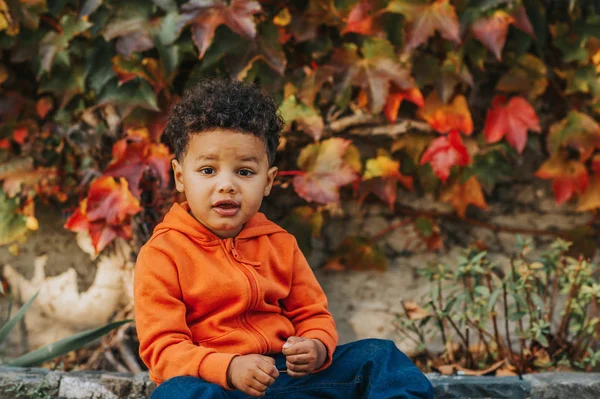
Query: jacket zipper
x,y
253,296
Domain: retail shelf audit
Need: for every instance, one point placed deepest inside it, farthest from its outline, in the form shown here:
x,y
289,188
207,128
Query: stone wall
x,y
35,383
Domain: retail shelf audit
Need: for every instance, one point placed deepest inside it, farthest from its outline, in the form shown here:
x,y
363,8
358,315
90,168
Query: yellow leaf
x,y
590,199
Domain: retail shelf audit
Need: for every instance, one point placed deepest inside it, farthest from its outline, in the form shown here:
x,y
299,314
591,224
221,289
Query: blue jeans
x,y
370,368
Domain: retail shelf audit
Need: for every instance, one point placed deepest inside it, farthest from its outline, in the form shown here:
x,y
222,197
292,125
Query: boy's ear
x,y
271,173
178,174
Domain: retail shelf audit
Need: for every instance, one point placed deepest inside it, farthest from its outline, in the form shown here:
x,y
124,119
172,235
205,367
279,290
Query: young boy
x,y
226,305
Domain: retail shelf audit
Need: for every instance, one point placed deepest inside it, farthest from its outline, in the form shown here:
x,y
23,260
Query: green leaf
x,y
10,324
13,224
135,93
63,346
482,290
98,66
493,298
55,42
516,316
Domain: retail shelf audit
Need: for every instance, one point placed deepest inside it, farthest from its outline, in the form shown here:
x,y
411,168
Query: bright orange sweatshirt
x,y
201,300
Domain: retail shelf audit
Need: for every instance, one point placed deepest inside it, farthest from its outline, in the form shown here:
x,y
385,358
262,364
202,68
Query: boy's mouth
x,y
226,207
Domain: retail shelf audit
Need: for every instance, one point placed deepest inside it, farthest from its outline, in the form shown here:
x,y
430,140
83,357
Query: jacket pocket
x,y
213,338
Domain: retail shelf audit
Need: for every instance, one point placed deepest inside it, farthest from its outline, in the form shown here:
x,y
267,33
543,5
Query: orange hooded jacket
x,y
201,300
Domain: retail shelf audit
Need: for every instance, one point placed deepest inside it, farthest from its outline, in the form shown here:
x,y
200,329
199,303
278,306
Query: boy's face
x,y
224,175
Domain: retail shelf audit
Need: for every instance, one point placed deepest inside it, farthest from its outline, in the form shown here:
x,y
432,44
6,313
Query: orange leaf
x,y
568,177
445,117
381,178
328,165
395,98
43,106
590,199
445,152
414,311
20,135
425,19
78,220
111,200
360,19
491,31
461,195
206,17
511,120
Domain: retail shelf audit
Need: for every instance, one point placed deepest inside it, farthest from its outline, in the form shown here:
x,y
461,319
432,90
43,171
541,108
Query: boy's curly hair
x,y
218,103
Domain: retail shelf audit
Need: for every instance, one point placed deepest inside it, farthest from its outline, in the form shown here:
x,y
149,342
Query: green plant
x,y
56,349
527,315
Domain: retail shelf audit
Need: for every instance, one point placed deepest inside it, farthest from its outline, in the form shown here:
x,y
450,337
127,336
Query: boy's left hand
x,y
303,355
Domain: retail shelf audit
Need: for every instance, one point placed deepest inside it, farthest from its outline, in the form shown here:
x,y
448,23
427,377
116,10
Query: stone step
x,y
38,383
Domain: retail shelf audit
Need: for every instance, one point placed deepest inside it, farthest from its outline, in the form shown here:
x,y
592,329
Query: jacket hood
x,y
180,219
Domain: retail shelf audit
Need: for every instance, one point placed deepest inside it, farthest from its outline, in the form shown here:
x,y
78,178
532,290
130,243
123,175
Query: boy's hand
x,y
303,355
252,374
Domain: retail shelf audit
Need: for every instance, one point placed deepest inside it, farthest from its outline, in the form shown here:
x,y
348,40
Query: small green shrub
x,y
528,315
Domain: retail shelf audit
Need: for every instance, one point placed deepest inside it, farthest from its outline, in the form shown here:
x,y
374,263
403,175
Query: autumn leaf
x,y
395,98
424,19
381,178
19,175
461,195
43,106
13,224
414,311
590,199
306,117
131,24
326,167
206,16
313,82
446,117
106,212
357,253
527,76
375,73
512,120
578,131
361,20
492,30
413,144
133,154
445,152
568,177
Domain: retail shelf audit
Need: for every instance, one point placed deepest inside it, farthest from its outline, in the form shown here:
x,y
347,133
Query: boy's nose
x,y
226,185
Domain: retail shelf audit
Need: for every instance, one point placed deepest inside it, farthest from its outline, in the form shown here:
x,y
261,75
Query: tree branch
x,y
369,125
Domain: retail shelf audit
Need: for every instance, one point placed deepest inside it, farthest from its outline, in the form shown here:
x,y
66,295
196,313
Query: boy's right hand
x,y
252,374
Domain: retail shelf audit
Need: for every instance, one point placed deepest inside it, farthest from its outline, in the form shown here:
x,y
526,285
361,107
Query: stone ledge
x,y
38,383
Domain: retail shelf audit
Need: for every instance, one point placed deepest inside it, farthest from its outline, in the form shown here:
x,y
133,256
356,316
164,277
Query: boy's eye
x,y
207,171
246,172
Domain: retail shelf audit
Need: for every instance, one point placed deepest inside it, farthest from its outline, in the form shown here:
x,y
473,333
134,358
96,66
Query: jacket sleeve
x,y
306,307
166,345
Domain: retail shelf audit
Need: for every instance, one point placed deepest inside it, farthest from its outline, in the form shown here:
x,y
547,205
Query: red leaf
x,y
111,200
78,220
492,31
4,144
522,20
43,106
445,152
129,160
446,117
20,135
159,161
328,165
360,20
206,16
512,119
590,199
463,195
395,98
568,177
